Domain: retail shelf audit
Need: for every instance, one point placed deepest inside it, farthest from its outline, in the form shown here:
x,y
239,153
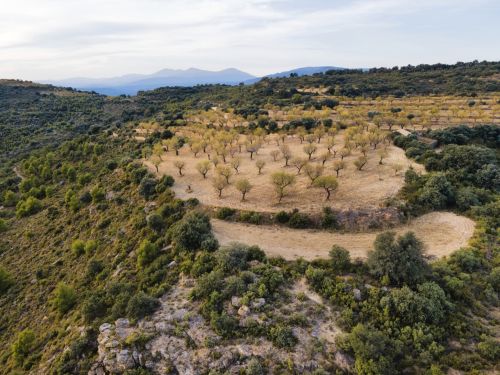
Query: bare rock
x,y
258,303
244,311
344,361
236,301
357,294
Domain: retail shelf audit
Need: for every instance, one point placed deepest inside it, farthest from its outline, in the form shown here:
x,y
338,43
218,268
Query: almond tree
x,y
310,149
313,171
324,157
275,154
329,183
219,183
287,153
203,167
196,148
281,180
330,143
382,153
338,165
243,186
260,164
299,163
158,149
156,160
179,164
252,148
235,163
360,162
344,152
225,172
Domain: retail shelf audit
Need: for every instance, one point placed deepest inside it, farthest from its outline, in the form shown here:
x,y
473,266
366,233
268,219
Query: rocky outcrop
x,y
176,339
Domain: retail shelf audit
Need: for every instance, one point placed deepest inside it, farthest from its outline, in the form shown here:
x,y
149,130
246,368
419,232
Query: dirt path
x,y
441,232
18,174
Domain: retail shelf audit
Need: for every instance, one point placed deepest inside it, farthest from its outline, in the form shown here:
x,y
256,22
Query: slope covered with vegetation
x,y
89,236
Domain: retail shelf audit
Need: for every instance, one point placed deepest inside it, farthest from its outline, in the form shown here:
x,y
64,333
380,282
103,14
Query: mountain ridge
x,y
130,84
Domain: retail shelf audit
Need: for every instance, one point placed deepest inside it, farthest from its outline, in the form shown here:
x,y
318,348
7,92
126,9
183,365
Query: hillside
x,y
117,216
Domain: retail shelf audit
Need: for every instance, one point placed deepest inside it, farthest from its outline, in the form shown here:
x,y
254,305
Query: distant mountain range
x,y
130,84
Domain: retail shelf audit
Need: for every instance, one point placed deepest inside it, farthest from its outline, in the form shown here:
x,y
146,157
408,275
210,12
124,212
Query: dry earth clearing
x,y
441,232
367,188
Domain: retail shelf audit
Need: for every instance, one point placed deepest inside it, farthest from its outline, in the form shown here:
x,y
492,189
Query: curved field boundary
x,y
441,232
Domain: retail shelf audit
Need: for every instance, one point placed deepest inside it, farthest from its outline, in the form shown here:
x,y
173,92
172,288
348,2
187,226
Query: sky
x,y
55,39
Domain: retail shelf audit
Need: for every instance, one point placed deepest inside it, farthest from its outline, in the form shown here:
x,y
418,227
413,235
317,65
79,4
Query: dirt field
x,y
441,232
368,188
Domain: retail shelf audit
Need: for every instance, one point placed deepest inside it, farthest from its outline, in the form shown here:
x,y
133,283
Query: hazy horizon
x,y
66,39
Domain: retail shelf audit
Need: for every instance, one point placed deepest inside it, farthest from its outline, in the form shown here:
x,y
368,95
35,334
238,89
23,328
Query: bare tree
x,y
281,181
275,154
360,162
235,163
219,183
260,164
287,153
179,164
203,167
338,165
382,153
310,149
299,163
313,171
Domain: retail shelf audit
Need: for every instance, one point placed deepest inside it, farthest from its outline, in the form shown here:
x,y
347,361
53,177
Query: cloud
x,y
108,37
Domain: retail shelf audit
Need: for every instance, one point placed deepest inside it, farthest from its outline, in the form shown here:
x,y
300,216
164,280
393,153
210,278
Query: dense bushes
x,y
28,207
193,232
399,261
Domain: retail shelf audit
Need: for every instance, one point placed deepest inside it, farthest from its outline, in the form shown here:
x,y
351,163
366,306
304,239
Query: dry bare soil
x,y
441,232
364,189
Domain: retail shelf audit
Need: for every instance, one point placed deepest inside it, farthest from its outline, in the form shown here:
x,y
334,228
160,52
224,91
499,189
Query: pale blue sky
x,y
51,39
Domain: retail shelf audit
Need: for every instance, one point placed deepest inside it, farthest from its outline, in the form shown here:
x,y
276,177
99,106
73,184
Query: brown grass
x,y
441,232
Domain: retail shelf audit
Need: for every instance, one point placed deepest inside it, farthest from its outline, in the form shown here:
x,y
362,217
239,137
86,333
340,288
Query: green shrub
x,y
94,307
254,367
141,305
97,194
64,298
401,260
147,187
225,212
23,346
282,217
223,324
90,247
329,219
282,336
5,280
9,198
339,259
299,220
3,225
146,253
155,222
77,247
28,207
190,232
